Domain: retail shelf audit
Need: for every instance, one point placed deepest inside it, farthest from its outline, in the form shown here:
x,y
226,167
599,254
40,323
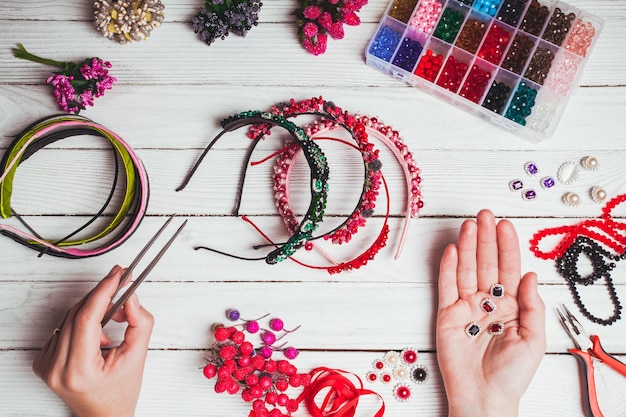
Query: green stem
x,y
22,53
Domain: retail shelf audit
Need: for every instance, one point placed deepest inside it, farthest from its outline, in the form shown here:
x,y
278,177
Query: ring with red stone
x,y
472,330
496,328
409,356
419,374
487,305
402,392
496,290
371,376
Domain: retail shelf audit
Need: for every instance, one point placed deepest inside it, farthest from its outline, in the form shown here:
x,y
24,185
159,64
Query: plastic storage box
x,y
513,63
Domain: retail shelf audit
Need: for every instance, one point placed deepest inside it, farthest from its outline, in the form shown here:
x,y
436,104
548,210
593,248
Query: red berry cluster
x,y
317,19
240,367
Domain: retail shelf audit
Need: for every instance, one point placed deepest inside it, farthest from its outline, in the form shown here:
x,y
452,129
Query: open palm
x,y
487,374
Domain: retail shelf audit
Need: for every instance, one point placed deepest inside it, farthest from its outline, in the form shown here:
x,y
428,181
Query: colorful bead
x,y
429,65
496,290
511,11
402,9
598,194
518,53
488,306
558,27
426,16
580,38
494,45
385,43
407,54
402,392
471,35
472,330
571,199
540,64
452,74
475,84
563,74
516,185
535,17
449,25
567,173
496,97
419,374
496,328
522,103
488,7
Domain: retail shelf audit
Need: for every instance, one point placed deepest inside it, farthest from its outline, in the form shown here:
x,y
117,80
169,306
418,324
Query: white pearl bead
x,y
590,163
598,194
571,199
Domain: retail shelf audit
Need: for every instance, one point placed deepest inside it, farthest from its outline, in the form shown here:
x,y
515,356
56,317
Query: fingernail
x,y
113,270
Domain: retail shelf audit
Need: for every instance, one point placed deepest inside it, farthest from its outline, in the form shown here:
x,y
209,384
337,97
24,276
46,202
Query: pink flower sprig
x,y
317,19
76,85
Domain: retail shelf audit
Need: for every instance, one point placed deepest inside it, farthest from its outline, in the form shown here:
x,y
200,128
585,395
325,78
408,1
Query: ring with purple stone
x,y
516,185
531,168
547,182
528,195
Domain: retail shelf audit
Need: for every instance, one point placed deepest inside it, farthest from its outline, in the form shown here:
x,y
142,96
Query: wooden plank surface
x,y
172,93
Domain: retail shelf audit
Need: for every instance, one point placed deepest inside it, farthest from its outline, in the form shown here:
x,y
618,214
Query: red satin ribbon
x,y
342,396
606,231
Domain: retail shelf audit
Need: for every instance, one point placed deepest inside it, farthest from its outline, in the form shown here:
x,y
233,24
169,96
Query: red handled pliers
x,y
587,349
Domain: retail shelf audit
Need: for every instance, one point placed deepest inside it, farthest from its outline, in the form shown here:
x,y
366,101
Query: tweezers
x,y
131,290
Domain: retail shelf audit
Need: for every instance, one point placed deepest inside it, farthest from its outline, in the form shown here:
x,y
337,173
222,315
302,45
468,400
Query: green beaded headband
x,y
319,179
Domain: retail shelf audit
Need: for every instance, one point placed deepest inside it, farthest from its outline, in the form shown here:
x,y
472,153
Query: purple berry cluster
x,y
219,18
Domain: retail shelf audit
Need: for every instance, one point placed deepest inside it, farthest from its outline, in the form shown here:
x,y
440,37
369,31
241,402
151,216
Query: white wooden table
x,y
173,90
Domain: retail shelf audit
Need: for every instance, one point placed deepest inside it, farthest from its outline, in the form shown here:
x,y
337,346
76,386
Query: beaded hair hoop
x,y
589,237
319,178
54,128
386,134
372,175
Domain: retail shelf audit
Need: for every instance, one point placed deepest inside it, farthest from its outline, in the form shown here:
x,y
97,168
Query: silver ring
x,y
56,331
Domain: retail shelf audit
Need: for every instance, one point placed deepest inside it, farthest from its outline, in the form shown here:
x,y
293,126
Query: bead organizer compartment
x,y
513,63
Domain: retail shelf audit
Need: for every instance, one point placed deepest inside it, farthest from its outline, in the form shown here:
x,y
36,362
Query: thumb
x,y
140,324
532,310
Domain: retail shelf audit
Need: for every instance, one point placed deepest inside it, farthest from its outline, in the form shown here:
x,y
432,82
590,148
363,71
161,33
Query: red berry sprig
x,y
262,381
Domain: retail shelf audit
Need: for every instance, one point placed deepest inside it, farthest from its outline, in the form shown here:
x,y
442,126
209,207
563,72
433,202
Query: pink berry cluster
x,y
317,19
76,85
240,367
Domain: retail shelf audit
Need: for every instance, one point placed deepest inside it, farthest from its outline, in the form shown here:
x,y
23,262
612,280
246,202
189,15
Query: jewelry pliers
x,y
588,349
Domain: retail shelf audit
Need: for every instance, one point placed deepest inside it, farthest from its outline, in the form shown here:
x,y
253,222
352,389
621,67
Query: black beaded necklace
x,y
603,263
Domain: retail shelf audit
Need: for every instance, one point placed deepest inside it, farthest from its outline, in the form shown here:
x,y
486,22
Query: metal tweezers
x,y
131,290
